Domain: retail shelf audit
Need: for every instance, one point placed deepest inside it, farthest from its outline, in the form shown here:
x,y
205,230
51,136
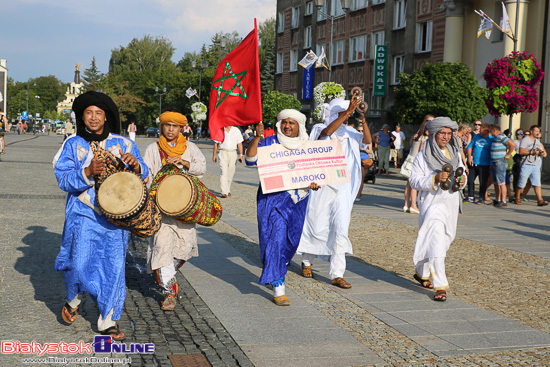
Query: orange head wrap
x,y
175,117
181,144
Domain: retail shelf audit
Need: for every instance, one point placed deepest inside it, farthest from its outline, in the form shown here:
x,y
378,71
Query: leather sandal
x,y
69,314
169,303
340,282
424,282
306,271
440,295
114,333
542,203
281,300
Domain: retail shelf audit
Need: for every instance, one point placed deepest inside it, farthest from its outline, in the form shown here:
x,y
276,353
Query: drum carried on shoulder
x,y
122,197
185,197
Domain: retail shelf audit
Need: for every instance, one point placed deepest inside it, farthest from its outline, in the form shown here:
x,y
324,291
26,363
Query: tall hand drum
x,y
122,198
185,197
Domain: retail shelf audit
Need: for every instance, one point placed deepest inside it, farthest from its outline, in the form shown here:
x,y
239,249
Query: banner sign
x,y
320,161
307,84
380,71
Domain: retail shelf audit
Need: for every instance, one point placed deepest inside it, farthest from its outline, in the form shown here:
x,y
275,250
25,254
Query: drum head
x,y
120,193
174,195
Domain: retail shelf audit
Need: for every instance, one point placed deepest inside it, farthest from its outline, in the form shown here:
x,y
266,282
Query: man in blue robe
x,y
93,250
280,214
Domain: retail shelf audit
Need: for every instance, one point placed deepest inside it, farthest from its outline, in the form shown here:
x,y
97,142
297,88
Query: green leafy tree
x,y
146,54
92,77
267,54
48,91
441,89
274,102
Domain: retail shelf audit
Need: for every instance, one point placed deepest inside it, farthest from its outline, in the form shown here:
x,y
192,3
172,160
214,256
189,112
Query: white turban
x,y
300,118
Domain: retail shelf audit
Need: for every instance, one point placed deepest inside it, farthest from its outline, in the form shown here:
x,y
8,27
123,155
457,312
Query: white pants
x,y
434,266
337,265
132,136
168,272
228,162
102,323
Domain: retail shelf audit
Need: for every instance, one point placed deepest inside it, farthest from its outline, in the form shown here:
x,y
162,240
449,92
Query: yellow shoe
x,y
281,300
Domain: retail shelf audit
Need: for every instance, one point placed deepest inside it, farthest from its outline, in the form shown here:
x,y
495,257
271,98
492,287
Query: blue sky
x,y
48,37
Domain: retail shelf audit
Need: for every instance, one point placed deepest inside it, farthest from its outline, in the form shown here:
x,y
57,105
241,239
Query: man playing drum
x,y
93,251
280,214
176,241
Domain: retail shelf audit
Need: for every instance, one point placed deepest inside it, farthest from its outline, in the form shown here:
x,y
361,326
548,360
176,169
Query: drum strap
x,y
163,156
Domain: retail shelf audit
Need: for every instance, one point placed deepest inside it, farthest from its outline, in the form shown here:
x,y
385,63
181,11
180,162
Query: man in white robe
x,y
176,241
328,212
438,208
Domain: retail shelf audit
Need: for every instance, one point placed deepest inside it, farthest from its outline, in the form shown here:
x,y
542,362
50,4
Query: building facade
x,y
3,84
415,32
412,31
73,91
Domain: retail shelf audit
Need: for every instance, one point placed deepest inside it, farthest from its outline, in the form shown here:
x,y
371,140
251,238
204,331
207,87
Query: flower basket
x,y
324,93
512,82
199,111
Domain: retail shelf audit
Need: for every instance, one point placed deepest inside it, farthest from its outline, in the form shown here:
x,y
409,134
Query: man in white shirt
x,y
227,155
399,144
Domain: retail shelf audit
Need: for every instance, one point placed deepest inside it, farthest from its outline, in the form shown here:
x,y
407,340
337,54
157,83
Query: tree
x,y
92,78
267,55
441,89
274,102
147,54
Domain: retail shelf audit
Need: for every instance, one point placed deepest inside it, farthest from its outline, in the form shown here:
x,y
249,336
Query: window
x,y
376,2
398,67
399,14
309,8
357,48
424,36
358,4
295,18
375,106
321,14
293,60
377,39
336,8
337,52
281,23
307,37
279,63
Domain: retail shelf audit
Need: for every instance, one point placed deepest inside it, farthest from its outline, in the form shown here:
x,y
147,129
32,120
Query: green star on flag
x,y
235,97
238,78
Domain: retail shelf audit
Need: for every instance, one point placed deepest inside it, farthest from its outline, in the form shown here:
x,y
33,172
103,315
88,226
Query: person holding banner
x,y
328,213
280,214
176,241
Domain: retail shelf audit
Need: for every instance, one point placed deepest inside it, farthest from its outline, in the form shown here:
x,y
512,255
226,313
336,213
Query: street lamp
x,y
35,97
203,65
160,96
346,4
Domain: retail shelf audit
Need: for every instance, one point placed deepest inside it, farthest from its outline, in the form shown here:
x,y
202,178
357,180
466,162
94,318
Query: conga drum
x,y
185,197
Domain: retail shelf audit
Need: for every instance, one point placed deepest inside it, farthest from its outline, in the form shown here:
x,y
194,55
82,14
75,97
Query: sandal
x,y
518,202
424,282
440,295
169,303
340,282
69,314
542,203
114,333
306,271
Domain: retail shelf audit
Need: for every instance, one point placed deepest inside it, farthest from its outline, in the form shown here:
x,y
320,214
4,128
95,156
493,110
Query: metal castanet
x,y
363,106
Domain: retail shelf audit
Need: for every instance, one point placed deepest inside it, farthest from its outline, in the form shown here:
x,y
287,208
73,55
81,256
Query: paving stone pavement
x,y
385,319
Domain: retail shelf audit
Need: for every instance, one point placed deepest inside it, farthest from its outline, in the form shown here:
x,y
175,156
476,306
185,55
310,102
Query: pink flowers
x,y
512,82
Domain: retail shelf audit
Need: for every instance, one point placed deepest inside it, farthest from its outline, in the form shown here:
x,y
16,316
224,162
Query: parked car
x,y
60,131
152,132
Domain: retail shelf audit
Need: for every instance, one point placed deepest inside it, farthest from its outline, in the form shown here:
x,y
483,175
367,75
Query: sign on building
x,y
307,84
380,71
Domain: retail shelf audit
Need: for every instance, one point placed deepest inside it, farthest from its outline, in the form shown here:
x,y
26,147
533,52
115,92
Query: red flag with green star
x,y
235,97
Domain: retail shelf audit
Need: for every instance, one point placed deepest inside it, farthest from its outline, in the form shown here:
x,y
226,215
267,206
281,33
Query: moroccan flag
x,y
235,98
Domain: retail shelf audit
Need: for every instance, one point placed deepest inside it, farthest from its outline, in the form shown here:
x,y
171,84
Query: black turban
x,y
100,100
